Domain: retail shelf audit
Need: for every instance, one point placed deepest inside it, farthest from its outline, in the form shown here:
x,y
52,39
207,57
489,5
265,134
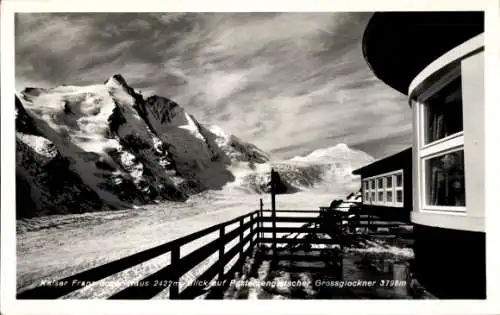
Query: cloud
x,y
288,82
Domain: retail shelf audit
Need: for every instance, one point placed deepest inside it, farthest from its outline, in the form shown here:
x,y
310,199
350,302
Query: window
x,y
366,191
389,195
445,180
388,181
443,112
399,196
441,144
380,183
385,189
399,188
380,190
388,188
399,180
380,196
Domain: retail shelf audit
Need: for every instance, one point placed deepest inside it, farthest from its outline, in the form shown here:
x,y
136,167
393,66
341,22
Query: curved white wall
x,y
470,57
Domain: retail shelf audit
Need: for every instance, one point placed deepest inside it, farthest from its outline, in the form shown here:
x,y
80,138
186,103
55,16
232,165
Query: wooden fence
x,y
257,228
252,224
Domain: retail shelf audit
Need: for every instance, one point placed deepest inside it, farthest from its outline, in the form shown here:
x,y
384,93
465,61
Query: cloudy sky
x,y
287,82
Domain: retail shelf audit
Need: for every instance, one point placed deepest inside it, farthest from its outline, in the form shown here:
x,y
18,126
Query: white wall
x,y
472,70
473,102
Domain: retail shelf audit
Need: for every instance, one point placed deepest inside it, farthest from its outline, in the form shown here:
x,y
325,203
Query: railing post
x,y
260,225
252,222
241,238
221,253
273,208
175,257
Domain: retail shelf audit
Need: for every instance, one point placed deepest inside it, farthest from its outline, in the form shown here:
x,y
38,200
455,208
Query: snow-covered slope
x,y
104,146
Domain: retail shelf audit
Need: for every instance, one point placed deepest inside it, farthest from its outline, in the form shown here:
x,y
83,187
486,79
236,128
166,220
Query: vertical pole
x,y
174,261
221,253
273,208
260,234
252,222
260,225
241,238
275,181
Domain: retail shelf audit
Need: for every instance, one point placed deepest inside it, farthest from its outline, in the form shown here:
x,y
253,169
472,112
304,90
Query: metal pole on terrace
x,y
274,184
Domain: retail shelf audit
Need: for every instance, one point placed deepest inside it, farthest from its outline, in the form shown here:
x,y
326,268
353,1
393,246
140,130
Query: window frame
x,y
393,189
449,144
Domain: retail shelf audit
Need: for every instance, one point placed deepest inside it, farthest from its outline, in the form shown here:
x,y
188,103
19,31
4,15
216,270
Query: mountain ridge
x,y
113,144
105,146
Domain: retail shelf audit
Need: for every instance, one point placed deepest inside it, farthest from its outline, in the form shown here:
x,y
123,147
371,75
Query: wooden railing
x,y
254,223
257,228
169,274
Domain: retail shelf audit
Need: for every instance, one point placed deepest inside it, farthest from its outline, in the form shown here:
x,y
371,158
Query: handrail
x,y
292,211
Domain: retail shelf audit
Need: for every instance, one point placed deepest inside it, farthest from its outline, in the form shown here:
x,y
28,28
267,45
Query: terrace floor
x,y
371,267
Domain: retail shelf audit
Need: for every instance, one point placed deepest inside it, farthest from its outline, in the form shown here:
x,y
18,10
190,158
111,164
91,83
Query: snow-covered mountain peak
x,y
108,141
116,80
339,152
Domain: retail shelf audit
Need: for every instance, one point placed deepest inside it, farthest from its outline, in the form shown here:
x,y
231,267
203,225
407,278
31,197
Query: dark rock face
x,y
45,184
24,123
123,188
252,153
31,92
25,206
116,120
162,108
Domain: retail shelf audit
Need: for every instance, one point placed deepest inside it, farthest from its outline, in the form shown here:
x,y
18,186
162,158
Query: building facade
x,y
437,59
386,187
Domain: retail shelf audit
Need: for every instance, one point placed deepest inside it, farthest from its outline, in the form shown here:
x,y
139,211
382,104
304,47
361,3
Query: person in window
x,y
448,181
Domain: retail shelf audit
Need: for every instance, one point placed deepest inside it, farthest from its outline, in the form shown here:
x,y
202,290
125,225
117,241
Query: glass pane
x,y
388,181
380,183
399,196
445,180
367,196
389,196
373,196
399,180
373,184
443,112
381,196
366,184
